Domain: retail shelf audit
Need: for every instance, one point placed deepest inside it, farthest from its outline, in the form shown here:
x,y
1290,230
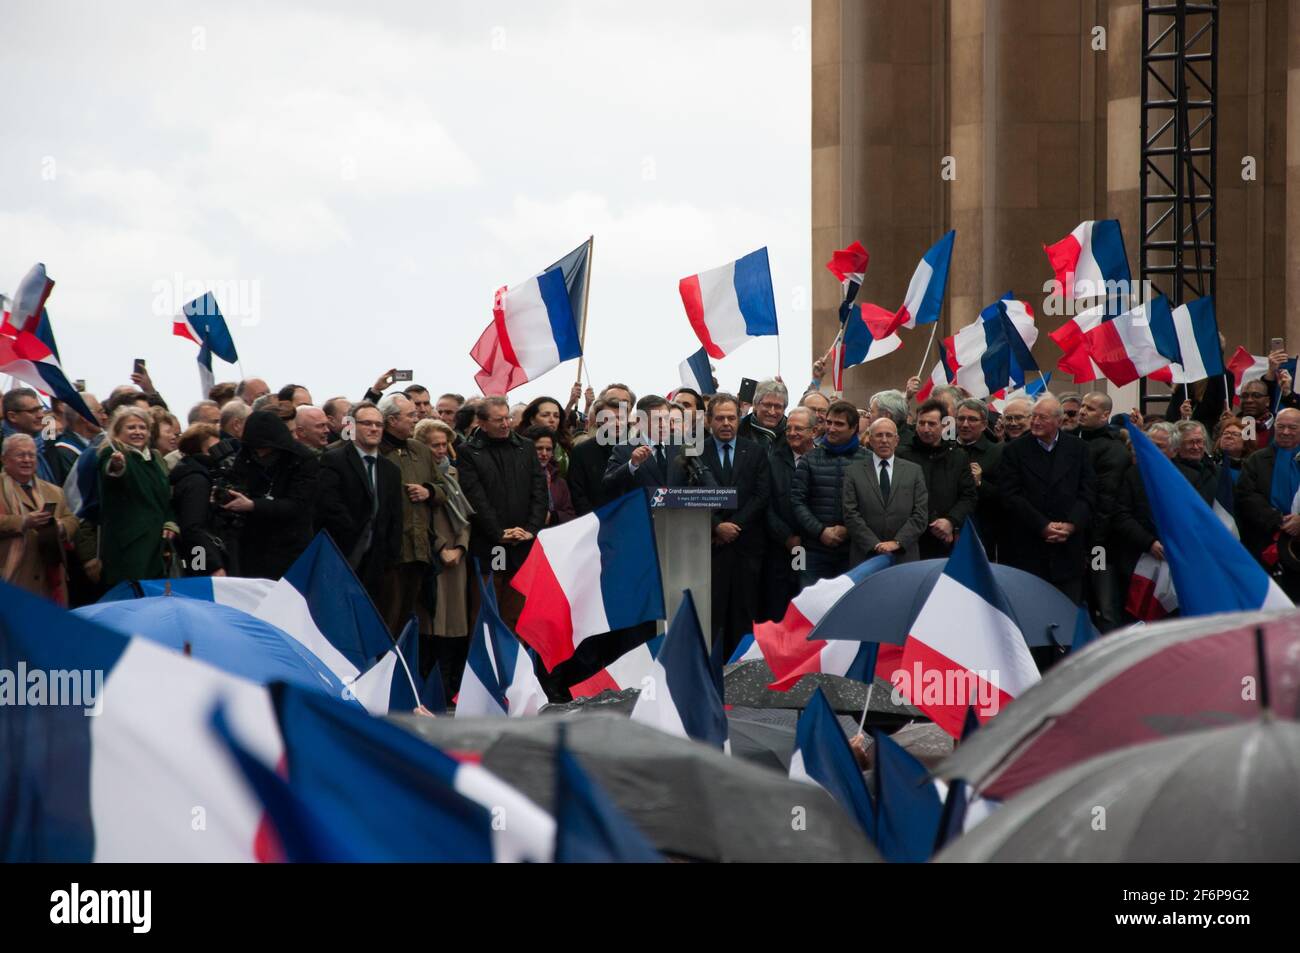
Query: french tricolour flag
x,y
136,757
23,312
965,644
858,343
499,679
27,348
201,321
1151,593
1089,257
532,331
629,670
1246,367
822,757
785,644
681,696
990,352
1199,354
391,796
589,576
1072,338
1212,571
729,305
697,373
925,292
1136,343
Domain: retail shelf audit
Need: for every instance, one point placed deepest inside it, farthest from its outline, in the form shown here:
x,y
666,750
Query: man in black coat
x,y
651,457
949,483
1049,490
276,479
1263,511
1132,529
780,581
733,461
503,481
589,458
984,456
817,495
1110,460
1190,458
360,500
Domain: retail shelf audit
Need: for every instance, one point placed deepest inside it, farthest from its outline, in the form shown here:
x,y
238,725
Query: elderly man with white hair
x,y
1049,492
34,524
765,424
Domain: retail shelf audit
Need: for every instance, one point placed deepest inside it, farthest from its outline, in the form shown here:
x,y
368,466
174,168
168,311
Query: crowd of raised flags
x,y
289,741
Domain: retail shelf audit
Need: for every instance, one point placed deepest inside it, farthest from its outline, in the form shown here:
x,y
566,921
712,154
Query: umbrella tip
x,y
167,587
188,649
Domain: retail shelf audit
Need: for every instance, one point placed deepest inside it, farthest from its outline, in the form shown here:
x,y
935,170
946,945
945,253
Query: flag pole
x,y
926,359
582,330
865,708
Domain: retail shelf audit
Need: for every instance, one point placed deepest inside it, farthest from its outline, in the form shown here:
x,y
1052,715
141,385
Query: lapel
x,y
874,481
656,471
713,461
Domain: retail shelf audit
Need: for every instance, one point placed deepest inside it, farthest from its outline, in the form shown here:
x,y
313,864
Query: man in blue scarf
x,y
1266,492
817,494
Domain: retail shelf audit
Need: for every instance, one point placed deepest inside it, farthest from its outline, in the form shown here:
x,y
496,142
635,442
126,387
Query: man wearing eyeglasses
x,y
1049,491
765,424
24,414
1071,405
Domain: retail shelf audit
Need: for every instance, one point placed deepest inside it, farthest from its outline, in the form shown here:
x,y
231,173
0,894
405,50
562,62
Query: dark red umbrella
x,y
1136,686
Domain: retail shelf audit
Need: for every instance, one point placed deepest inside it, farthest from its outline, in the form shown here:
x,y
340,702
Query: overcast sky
x,y
360,178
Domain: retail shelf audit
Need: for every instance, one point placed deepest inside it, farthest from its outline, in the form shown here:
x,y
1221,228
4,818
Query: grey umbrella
x,y
746,684
689,799
1223,795
1094,701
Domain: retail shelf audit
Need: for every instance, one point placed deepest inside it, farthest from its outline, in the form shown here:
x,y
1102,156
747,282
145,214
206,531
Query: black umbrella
x,y
1226,795
746,685
691,800
879,609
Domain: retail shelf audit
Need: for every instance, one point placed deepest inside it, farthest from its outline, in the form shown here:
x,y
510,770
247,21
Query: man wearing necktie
x,y
738,535
360,500
651,457
886,506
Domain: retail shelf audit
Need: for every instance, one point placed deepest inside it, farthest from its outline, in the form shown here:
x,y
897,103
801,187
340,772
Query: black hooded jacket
x,y
191,482
282,486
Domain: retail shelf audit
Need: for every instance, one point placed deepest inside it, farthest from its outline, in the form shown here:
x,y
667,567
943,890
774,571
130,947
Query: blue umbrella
x,y
227,638
878,608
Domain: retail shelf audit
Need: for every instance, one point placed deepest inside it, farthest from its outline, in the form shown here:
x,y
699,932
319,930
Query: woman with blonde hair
x,y
446,632
135,500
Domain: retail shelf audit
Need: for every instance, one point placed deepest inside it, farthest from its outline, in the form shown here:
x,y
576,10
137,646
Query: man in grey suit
x,y
885,502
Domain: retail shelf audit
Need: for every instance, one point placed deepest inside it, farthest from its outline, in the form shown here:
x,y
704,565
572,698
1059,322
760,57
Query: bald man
x,y
886,507
311,427
1049,491
1265,496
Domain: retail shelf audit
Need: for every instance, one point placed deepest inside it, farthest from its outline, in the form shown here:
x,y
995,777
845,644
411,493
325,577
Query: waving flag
x,y
1212,571
589,827
1197,335
909,808
786,645
532,332
822,757
1246,367
588,576
990,353
1090,261
28,359
391,684
729,305
858,345
322,604
1030,391
499,680
1151,593
125,783
925,292
697,373
201,321
391,796
24,311
965,643
681,697
629,670
1071,337
1136,343
849,265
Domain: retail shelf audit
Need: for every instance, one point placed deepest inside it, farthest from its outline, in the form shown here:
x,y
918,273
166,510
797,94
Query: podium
x,y
684,537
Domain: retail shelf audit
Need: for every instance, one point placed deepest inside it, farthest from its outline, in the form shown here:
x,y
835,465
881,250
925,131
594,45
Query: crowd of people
x,y
417,491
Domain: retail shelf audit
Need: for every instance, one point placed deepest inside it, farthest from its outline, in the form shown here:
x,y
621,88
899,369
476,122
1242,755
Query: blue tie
x,y
726,463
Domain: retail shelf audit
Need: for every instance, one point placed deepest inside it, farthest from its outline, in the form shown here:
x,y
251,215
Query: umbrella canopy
x,y
1133,686
1225,795
691,800
233,641
878,610
746,685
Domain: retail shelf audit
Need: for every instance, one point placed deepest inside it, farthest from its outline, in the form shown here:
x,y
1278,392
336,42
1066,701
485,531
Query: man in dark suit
x,y
733,461
1265,495
886,505
651,457
589,458
1049,491
780,580
360,500
503,481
